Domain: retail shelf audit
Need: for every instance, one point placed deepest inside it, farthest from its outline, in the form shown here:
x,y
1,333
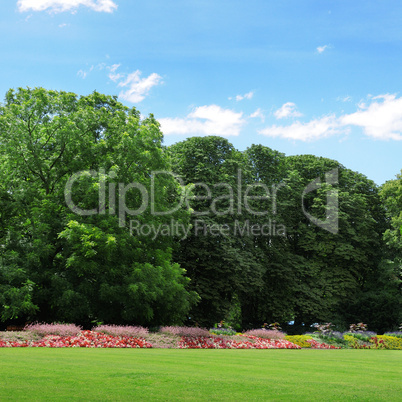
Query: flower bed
x,y
53,329
92,339
387,342
355,343
317,345
184,331
266,333
122,330
113,336
85,339
300,340
250,342
376,342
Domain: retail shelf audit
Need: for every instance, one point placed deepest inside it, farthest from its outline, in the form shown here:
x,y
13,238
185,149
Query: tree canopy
x,y
57,264
99,222
308,272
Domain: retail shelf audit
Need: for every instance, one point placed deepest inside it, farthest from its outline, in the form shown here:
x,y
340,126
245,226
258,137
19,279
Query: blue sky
x,y
301,77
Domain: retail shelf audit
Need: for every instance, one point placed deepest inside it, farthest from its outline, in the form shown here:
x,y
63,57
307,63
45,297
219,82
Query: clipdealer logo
x,y
237,201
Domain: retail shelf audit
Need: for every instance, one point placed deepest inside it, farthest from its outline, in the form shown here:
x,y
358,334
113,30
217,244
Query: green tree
x,y
264,173
333,270
59,262
323,265
222,265
391,195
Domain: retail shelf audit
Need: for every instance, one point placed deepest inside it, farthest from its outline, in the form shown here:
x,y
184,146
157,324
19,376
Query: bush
x,y
19,336
324,328
185,331
300,340
333,337
121,330
222,331
53,329
363,336
163,341
360,327
265,333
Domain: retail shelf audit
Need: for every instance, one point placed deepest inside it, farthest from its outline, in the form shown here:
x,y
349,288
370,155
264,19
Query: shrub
x,y
53,329
333,337
300,340
163,341
360,327
185,331
364,336
18,336
222,331
265,333
121,330
323,328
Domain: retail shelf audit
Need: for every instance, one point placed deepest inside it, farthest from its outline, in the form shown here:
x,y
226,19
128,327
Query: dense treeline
x,y
94,227
309,274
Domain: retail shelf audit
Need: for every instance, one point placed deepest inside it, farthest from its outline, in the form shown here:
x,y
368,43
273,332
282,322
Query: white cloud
x,y
138,88
258,113
312,130
239,98
63,25
113,75
382,119
321,49
58,6
135,88
346,98
102,66
205,120
83,74
288,109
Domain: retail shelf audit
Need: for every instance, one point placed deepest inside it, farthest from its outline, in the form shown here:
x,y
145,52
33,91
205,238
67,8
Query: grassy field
x,y
161,374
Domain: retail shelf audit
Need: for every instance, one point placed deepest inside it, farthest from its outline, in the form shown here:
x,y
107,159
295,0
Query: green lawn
x,y
237,375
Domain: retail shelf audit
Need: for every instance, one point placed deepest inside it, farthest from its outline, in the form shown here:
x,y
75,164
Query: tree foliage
x,y
306,273
221,266
60,265
84,183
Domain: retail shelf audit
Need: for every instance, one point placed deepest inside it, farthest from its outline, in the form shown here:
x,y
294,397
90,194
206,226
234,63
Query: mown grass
x,y
161,374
